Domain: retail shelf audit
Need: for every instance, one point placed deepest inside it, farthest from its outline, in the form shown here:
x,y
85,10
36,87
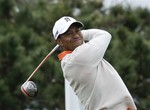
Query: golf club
x,y
29,88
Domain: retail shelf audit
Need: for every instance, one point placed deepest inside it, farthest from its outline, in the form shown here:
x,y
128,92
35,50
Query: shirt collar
x,y
63,54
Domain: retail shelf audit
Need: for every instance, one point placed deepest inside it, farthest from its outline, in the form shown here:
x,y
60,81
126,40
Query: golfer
x,y
96,83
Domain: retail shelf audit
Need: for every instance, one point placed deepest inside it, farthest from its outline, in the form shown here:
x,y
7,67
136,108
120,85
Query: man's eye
x,y
68,33
78,30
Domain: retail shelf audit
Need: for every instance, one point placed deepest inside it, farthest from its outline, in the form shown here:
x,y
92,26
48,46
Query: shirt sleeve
x,y
92,52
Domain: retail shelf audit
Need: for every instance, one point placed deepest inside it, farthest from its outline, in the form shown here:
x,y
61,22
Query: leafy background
x,y
26,38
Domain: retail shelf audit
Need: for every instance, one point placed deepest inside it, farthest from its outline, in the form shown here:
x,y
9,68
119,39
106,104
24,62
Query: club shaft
x,y
45,59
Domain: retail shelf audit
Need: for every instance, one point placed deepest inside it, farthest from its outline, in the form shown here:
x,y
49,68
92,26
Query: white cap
x,y
62,25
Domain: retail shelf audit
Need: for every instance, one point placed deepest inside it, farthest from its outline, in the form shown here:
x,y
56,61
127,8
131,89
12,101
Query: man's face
x,y
71,39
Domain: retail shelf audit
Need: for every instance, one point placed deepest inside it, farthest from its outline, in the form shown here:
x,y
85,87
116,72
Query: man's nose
x,y
75,32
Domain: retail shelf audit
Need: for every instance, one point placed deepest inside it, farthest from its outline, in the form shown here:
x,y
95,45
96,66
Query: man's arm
x,y
93,51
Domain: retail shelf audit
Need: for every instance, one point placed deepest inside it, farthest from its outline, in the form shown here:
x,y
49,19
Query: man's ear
x,y
59,42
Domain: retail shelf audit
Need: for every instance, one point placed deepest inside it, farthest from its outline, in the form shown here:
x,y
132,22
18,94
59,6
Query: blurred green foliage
x,y
26,38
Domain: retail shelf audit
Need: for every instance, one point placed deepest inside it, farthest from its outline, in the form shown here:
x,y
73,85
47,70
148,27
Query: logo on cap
x,y
67,19
56,33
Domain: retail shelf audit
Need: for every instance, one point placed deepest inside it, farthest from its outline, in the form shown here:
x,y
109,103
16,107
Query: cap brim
x,y
79,24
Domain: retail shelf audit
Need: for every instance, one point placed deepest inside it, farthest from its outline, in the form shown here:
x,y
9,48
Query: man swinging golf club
x,y
95,82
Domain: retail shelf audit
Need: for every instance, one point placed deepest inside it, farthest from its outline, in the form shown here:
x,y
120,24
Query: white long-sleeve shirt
x,y
95,82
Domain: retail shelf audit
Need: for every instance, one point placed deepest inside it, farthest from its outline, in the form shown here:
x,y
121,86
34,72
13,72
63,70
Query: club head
x,y
29,89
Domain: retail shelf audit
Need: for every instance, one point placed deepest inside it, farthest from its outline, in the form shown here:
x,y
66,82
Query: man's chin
x,y
79,43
